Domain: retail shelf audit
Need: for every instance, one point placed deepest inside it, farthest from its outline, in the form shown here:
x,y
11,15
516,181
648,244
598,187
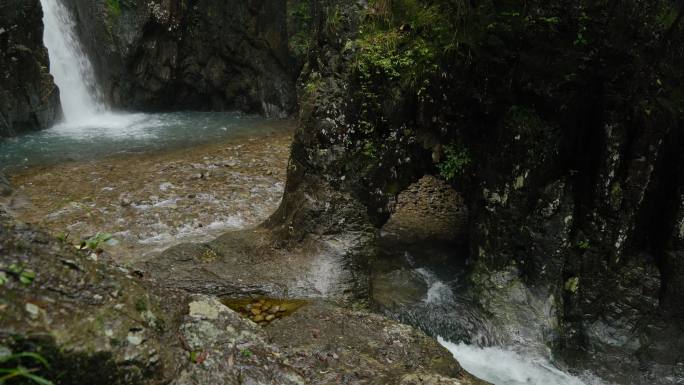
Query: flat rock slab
x,y
249,262
331,345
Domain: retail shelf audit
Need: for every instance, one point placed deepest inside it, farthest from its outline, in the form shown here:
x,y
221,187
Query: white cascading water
x,y
85,114
506,366
69,65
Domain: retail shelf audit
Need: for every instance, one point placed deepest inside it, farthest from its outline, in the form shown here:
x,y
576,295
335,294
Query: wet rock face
x,y
29,99
570,199
208,55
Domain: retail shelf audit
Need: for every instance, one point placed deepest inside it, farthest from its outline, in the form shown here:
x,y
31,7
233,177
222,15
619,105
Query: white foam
x,y
109,125
502,366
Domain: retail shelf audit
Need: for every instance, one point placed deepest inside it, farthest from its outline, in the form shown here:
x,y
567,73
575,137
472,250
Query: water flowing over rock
x,y
29,99
71,68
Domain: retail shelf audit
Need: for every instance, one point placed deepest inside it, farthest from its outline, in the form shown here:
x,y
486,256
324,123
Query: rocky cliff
x,y
208,55
29,99
561,124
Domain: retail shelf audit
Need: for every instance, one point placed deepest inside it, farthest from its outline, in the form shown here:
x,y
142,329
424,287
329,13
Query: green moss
x,y
141,305
300,22
456,160
572,284
114,8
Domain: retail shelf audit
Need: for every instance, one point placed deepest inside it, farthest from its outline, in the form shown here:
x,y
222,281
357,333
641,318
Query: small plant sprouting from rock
x,y
63,237
246,353
456,160
583,245
95,243
18,371
198,357
20,272
572,284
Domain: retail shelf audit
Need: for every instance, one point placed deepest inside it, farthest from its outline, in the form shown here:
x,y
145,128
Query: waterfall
x,y
69,65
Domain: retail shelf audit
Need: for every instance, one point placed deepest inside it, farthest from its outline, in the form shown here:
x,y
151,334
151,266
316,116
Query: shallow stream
x,y
424,285
152,181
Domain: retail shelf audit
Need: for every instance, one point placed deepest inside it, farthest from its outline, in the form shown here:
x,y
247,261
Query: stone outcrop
x,y
573,182
29,98
208,55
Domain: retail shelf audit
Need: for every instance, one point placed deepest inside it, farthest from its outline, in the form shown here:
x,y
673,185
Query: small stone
x,y
258,318
255,311
134,338
125,201
32,309
274,309
270,317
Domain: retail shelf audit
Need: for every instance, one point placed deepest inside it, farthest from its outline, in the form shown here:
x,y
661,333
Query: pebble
x,y
263,312
32,309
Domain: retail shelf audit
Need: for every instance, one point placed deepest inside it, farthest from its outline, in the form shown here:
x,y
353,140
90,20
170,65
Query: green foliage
x,y
95,242
583,245
246,353
581,39
62,237
20,272
141,305
333,21
400,43
572,284
114,8
456,160
301,22
19,371
397,55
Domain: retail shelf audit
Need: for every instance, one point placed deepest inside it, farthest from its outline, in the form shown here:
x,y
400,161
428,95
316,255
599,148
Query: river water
x,y
117,133
425,285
